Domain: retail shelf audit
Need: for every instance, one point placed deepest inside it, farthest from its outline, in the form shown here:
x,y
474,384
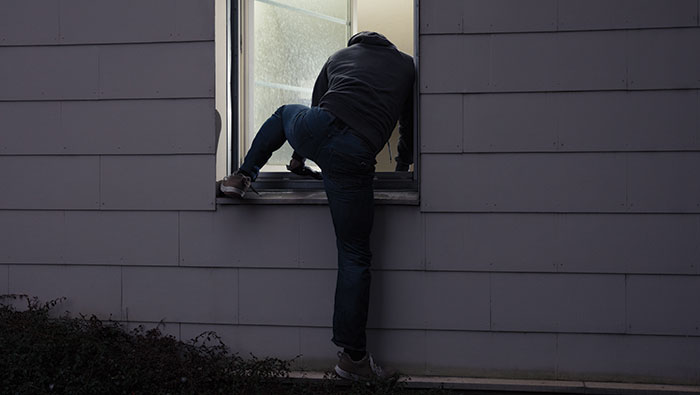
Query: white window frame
x,y
238,81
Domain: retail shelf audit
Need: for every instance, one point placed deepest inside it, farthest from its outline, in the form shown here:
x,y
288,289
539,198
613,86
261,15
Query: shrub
x,y
44,355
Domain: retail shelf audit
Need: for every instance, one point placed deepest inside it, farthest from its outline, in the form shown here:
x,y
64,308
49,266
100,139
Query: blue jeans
x,y
347,163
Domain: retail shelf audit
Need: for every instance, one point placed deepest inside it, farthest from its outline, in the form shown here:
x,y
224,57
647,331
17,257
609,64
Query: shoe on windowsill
x,y
235,185
363,370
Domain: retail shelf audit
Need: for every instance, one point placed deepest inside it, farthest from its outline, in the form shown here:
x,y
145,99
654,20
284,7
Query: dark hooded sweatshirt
x,y
369,86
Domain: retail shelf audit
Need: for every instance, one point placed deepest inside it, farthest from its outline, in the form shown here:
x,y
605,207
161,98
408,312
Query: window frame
x,y
287,181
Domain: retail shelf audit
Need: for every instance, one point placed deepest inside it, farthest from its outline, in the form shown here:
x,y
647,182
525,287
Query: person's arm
x,y
321,85
405,156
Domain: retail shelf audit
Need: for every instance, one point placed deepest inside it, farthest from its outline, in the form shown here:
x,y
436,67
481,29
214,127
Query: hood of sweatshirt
x,y
370,38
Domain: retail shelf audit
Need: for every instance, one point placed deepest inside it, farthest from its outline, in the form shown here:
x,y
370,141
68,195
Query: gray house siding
x,y
105,100
558,234
566,139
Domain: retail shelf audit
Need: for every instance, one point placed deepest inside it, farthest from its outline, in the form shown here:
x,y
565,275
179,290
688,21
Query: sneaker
x,y
363,370
235,185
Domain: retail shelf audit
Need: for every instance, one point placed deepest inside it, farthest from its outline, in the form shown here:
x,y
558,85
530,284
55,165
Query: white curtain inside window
x,y
291,41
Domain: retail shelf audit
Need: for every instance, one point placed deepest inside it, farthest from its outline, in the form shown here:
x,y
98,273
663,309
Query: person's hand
x,y
401,166
298,167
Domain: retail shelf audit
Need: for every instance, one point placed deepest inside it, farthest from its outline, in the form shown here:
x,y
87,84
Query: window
x,y
278,48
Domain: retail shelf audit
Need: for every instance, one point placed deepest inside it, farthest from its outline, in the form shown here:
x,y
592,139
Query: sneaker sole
x,y
349,376
231,191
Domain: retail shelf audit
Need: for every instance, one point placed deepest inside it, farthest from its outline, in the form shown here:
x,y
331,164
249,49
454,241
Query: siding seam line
x,y
61,129
697,117
64,252
171,98
557,120
626,159
59,39
192,41
489,84
425,351
179,240
679,335
100,203
463,123
490,301
627,60
556,356
98,94
320,269
175,31
513,32
121,291
487,92
424,232
299,353
684,335
626,330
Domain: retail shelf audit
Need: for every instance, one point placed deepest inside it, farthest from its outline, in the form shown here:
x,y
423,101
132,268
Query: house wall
x,y
558,234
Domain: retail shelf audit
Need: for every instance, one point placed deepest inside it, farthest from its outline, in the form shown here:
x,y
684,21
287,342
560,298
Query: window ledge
x,y
409,198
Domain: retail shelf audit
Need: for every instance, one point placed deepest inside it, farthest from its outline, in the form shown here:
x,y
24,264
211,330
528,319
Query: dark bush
x,y
40,354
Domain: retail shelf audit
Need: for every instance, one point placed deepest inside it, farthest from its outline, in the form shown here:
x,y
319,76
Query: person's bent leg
x,y
269,139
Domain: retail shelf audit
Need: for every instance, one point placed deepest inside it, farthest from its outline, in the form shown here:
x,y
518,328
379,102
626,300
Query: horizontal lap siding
x,y
50,182
663,305
4,279
101,295
49,73
514,16
524,182
661,120
112,127
558,302
562,61
552,241
108,182
108,106
641,182
626,14
629,358
119,71
111,111
294,237
574,243
104,21
560,153
180,294
89,237
481,354
169,182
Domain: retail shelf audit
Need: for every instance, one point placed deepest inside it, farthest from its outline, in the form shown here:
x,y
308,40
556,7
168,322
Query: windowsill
x,y
381,197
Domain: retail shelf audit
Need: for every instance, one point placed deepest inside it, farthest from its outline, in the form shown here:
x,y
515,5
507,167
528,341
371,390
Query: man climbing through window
x,y
360,94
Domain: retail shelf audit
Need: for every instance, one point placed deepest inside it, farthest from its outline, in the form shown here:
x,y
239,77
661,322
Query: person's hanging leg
x,y
348,181
352,211
348,178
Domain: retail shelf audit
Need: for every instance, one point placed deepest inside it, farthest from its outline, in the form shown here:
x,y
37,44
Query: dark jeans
x,y
347,163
